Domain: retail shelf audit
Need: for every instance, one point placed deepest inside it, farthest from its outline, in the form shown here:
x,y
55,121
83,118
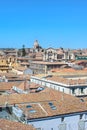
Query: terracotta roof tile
x,y
33,85
8,85
40,103
69,71
10,125
48,63
69,81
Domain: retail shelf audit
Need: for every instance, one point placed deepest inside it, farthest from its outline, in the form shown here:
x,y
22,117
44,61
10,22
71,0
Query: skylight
x,y
50,103
52,106
32,111
82,100
28,106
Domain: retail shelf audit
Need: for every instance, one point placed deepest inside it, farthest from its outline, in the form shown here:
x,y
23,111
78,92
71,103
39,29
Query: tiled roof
x,y
10,125
39,53
64,104
33,85
22,85
24,76
23,58
25,63
48,63
8,85
69,71
69,81
8,75
84,99
20,68
15,77
79,61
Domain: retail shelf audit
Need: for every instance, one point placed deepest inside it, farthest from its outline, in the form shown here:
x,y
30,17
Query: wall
x,y
50,84
70,121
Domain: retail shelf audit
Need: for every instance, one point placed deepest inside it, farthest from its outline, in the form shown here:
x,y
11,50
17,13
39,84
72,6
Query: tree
x,y
23,50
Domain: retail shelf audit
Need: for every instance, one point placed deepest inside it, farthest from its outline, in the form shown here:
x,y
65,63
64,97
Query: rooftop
x,y
8,85
48,63
70,80
44,104
10,125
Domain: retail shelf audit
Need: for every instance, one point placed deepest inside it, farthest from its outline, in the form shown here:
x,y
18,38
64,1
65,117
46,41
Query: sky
x,y
54,23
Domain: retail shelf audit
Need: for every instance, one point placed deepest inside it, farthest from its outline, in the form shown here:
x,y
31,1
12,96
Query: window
x,y
82,90
73,91
62,119
0,109
81,115
85,116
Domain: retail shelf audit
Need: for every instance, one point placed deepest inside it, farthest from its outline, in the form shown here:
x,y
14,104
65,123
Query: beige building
x,y
39,67
52,54
69,81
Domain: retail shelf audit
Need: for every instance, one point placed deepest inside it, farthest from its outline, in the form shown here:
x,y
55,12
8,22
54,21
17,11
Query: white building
x,y
76,86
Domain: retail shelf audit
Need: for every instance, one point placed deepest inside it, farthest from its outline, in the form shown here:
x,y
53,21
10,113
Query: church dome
x,y
36,44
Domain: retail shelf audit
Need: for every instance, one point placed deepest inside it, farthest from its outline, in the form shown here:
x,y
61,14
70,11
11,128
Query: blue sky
x,y
54,23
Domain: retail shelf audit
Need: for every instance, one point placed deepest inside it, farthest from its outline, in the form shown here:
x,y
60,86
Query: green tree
x,y
23,50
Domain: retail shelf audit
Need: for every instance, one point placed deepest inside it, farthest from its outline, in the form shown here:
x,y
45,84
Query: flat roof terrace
x,y
66,80
69,81
68,72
